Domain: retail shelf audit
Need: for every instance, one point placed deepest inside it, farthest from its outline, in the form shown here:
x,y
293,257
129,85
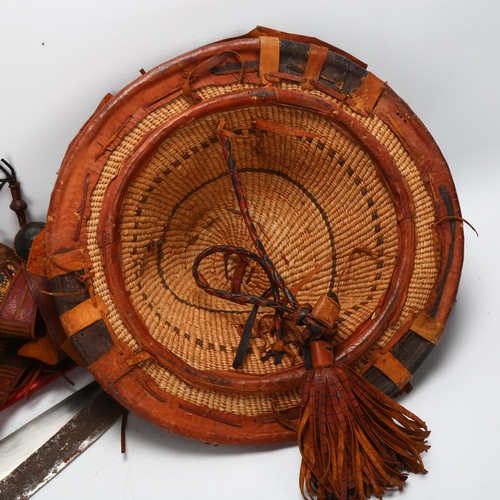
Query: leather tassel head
x,y
355,440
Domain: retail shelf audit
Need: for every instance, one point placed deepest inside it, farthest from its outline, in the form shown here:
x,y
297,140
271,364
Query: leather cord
x,y
283,300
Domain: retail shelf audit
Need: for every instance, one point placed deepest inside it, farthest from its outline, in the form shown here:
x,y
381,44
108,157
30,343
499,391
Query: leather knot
x,y
301,314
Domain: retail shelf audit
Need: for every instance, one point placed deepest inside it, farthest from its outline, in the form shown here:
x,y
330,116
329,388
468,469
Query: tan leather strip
x,y
390,366
112,366
64,263
149,386
334,93
368,94
287,76
207,413
427,327
315,62
83,315
269,60
140,357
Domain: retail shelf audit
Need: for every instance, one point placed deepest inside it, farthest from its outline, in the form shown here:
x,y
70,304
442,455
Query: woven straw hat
x,y
346,189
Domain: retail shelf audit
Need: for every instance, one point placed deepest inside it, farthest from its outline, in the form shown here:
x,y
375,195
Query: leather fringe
x,y
355,440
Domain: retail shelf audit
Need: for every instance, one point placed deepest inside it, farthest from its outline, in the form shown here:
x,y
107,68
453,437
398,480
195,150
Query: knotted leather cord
x,y
284,301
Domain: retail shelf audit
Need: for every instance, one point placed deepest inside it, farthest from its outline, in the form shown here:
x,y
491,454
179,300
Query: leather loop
x,y
205,67
141,357
427,327
269,60
84,314
368,94
315,62
391,367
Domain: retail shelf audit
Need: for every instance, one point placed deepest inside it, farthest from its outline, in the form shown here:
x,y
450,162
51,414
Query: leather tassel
x,y
355,440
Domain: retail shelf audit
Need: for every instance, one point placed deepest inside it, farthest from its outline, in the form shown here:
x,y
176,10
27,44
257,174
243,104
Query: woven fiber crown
x,y
347,191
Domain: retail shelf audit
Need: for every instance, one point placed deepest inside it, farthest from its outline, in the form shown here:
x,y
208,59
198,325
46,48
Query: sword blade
x,y
20,444
62,448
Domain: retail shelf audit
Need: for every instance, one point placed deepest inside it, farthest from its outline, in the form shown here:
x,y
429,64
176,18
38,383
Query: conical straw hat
x,y
347,190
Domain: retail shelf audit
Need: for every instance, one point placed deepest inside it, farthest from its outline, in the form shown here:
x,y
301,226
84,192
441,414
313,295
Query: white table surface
x,y
59,58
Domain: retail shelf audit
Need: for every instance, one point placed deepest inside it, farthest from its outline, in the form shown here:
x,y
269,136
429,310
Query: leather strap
x,y
315,62
83,315
269,60
427,327
390,366
368,94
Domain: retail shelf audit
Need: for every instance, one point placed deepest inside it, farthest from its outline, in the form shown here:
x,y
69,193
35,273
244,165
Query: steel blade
x,y
20,444
62,448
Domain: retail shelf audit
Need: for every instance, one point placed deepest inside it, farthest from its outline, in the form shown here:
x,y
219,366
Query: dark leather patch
x,y
92,342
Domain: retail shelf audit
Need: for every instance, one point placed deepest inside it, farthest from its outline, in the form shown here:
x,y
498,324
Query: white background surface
x,y
59,58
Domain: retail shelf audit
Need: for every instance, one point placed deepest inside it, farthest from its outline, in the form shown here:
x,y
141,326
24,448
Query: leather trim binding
x,y
269,60
112,366
368,94
392,368
428,328
83,315
315,62
260,31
